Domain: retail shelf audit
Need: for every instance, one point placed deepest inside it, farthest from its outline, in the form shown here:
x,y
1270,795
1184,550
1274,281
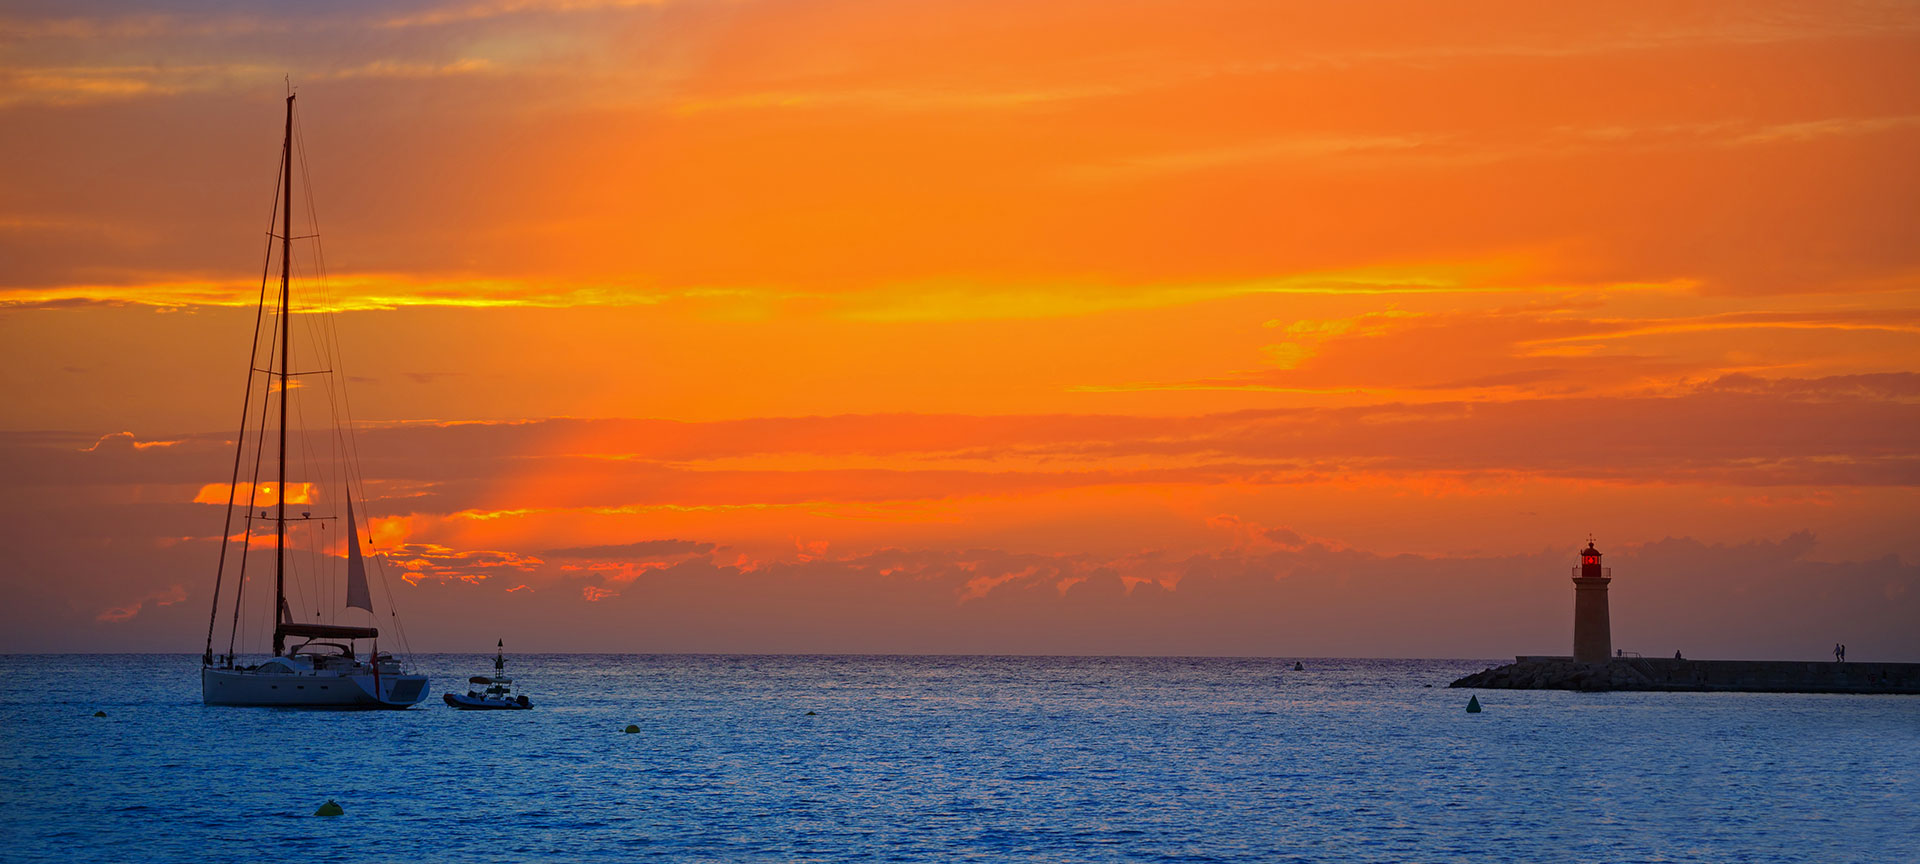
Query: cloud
x,y
108,24
1320,150
125,439
1283,597
1808,130
1263,591
639,549
457,12
79,85
914,100
1903,386
245,494
399,69
418,561
346,292
1737,429
1901,321
1394,353
945,299
1713,434
82,85
1227,583
120,614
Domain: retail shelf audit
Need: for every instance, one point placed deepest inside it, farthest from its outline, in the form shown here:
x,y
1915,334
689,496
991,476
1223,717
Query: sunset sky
x,y
1264,328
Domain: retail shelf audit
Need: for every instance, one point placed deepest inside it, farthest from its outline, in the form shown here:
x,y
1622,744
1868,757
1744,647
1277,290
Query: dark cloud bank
x,y
1763,599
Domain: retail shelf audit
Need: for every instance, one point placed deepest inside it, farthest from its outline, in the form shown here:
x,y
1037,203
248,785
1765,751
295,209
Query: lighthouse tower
x,y
1592,631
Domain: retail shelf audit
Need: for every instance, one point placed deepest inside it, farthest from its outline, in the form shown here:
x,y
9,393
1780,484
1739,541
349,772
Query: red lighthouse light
x,y
1589,566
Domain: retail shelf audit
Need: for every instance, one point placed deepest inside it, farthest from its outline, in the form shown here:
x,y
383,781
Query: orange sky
x,y
1076,327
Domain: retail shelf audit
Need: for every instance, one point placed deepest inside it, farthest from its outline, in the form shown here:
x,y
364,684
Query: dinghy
x,y
495,693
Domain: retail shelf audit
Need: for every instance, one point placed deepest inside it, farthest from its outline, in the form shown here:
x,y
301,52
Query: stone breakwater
x,y
1749,676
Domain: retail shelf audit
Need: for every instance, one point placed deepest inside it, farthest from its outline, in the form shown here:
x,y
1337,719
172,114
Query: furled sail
x,y
356,567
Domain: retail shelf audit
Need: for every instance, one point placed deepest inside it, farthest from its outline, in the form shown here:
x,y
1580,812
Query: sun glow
x,y
265,496
1084,317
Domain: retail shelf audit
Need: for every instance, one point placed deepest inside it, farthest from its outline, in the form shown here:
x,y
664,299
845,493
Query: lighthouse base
x,y
1592,626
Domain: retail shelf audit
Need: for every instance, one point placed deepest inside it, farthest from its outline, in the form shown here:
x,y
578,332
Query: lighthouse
x,y
1592,631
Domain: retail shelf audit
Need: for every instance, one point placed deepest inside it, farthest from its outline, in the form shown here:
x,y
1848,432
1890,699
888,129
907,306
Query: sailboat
x,y
315,663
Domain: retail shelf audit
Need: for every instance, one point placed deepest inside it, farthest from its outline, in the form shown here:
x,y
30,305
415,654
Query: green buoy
x,y
331,808
1473,704
99,713
632,729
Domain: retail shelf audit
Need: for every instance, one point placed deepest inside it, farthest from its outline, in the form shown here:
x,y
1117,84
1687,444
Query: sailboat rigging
x,y
313,673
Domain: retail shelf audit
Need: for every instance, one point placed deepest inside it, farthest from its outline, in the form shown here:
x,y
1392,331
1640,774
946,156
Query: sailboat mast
x,y
286,270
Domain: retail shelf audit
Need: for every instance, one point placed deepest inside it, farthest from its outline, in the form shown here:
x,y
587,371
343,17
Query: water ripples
x,y
940,758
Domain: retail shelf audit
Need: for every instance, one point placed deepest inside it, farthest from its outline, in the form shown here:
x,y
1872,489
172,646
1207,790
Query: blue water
x,y
951,758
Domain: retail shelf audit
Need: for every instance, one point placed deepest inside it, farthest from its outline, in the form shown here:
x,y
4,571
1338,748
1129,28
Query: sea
x,y
920,758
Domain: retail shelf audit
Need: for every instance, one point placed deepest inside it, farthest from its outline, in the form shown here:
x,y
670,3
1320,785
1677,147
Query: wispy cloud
x,y
124,439
920,100
638,549
1296,148
934,300
398,69
1458,149
457,12
74,85
421,561
145,25
342,292
77,85
1809,130
1904,321
109,26
121,614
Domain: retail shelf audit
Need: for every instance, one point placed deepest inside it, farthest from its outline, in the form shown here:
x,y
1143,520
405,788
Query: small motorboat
x,y
495,693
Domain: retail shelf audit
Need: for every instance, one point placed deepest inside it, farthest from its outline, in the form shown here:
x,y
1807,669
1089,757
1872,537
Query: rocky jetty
x,y
1750,676
1557,674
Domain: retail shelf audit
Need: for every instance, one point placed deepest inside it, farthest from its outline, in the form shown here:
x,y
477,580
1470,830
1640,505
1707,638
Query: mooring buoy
x,y
99,713
631,729
811,714
331,808
1473,704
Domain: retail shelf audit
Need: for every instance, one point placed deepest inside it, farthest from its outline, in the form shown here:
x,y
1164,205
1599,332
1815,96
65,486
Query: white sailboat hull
x,y
324,688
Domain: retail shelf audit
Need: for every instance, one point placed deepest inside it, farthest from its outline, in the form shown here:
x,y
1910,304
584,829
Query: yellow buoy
x,y
631,729
1473,704
331,808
